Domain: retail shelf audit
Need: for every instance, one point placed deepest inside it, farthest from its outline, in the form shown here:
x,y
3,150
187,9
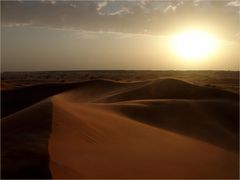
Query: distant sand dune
x,y
171,89
163,128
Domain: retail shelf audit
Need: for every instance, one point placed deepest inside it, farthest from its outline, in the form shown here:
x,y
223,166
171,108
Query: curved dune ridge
x,y
164,128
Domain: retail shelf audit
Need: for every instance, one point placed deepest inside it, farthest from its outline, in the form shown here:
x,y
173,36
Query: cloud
x,y
17,24
112,8
121,11
170,8
91,35
86,35
73,5
235,3
145,16
49,1
101,5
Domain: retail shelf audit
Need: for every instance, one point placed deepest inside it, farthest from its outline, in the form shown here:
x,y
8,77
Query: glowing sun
x,y
194,45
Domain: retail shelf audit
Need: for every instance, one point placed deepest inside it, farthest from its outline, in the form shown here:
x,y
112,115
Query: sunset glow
x,y
194,45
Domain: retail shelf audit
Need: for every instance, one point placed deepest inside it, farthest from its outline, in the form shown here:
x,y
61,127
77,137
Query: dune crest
x,y
97,134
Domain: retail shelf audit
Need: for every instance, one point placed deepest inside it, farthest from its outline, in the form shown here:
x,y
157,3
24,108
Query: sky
x,y
49,35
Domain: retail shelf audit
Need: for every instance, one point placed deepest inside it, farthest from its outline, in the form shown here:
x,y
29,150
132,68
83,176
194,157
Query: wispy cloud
x,y
170,8
121,11
101,5
114,35
235,3
49,1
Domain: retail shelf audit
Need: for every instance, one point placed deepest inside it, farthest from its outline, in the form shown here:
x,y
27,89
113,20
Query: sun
x,y
194,45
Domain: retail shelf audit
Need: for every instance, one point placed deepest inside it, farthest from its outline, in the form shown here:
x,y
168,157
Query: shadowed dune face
x,y
163,128
24,145
213,121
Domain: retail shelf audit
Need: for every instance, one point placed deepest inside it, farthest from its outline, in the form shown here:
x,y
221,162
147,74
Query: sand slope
x,y
154,129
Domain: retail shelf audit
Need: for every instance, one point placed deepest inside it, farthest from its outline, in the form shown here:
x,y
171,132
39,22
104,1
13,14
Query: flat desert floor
x,y
120,124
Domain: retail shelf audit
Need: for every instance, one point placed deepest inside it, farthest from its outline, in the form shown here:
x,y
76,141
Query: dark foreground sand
x,y
161,128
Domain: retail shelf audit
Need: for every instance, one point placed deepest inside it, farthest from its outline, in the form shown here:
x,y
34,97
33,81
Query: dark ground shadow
x,y
24,143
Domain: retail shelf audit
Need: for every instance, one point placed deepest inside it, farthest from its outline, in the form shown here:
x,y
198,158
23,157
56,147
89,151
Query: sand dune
x,y
163,128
